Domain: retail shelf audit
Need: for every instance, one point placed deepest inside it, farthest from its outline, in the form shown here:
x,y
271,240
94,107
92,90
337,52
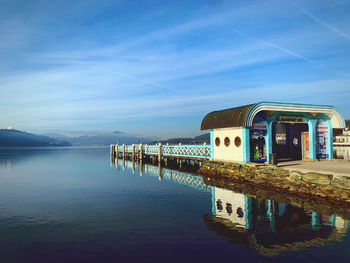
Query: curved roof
x,y
233,117
244,115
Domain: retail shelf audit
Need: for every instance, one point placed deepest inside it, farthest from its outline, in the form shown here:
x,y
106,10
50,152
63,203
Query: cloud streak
x,y
319,21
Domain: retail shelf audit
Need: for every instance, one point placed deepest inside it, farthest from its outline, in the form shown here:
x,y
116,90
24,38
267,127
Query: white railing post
x,y
140,151
133,151
160,153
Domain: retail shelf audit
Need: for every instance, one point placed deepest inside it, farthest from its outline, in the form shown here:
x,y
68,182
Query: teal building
x,y
270,130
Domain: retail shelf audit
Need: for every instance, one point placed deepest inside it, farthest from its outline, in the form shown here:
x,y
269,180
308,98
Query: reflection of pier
x,y
162,173
264,226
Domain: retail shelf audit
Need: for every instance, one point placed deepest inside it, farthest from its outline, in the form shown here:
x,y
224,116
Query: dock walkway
x,y
162,152
334,167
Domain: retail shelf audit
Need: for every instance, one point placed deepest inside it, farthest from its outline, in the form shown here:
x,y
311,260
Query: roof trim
x,y
244,115
334,115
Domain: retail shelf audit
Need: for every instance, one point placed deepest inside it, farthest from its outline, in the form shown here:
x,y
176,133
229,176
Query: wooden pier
x,y
159,152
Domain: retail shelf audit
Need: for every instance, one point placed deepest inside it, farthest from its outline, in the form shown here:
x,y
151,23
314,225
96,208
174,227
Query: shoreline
x,y
324,187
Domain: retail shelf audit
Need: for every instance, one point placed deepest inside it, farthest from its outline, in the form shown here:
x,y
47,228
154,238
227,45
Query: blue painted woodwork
x,y
312,138
246,144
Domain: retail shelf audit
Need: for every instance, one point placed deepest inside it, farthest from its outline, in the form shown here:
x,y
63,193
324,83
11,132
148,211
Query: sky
x,y
156,68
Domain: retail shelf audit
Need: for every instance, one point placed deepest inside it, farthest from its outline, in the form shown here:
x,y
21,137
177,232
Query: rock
x,y
295,175
342,182
281,172
316,178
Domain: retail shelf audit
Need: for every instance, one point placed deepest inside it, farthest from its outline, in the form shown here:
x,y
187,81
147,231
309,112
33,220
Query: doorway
x,y
287,140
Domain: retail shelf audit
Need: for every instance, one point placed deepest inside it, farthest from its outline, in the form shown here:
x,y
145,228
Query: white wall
x,y
230,153
236,200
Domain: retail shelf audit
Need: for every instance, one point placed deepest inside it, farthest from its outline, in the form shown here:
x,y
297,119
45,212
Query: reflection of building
x,y
291,131
270,228
264,226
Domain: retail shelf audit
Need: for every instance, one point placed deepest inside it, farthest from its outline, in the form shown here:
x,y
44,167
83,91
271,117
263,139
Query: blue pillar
x,y
330,139
246,144
212,143
315,221
213,201
271,215
248,217
332,220
312,138
268,139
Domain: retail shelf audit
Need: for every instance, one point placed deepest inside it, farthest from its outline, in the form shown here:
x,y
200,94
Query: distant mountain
x,y
102,140
105,140
201,139
11,138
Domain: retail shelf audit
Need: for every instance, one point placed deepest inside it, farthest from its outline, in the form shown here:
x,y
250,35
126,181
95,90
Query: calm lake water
x,y
75,205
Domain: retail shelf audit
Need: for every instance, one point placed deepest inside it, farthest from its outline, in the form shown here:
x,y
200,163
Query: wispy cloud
x,y
319,21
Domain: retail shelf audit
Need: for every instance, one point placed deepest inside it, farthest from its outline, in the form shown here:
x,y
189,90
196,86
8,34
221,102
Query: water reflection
x,y
270,228
342,153
265,226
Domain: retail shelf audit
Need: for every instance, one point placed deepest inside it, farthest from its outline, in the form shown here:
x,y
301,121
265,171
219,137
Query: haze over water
x,y
71,204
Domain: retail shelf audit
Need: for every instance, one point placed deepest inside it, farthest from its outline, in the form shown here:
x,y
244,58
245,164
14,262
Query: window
x,y
240,212
217,141
227,141
219,205
238,141
229,208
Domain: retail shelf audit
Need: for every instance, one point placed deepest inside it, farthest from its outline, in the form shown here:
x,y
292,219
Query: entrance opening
x,y
287,140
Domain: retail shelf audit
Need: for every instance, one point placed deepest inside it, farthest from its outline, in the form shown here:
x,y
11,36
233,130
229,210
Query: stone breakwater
x,y
318,185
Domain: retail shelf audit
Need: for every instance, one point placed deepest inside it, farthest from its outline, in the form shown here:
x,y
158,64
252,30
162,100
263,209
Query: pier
x,y
162,153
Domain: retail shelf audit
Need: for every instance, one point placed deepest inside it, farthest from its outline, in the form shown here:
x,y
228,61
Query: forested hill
x,y
15,138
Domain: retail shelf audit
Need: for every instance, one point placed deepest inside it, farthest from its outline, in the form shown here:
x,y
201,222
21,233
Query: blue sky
x,y
157,67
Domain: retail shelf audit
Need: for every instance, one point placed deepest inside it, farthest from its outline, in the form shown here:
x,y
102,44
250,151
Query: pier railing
x,y
188,151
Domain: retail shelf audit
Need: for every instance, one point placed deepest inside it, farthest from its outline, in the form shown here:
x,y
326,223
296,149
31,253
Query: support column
x,y
116,150
160,153
312,138
140,151
271,214
123,151
133,152
269,139
246,144
212,144
315,221
330,140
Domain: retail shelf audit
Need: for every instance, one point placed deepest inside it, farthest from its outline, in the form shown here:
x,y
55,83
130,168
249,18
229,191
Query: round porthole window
x,y
229,208
238,141
217,141
227,141
240,212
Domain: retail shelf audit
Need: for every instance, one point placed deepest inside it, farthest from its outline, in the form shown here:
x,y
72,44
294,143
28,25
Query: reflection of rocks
x,y
306,202
267,222
317,185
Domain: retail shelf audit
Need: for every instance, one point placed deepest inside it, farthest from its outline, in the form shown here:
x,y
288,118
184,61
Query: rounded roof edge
x,y
244,115
296,107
